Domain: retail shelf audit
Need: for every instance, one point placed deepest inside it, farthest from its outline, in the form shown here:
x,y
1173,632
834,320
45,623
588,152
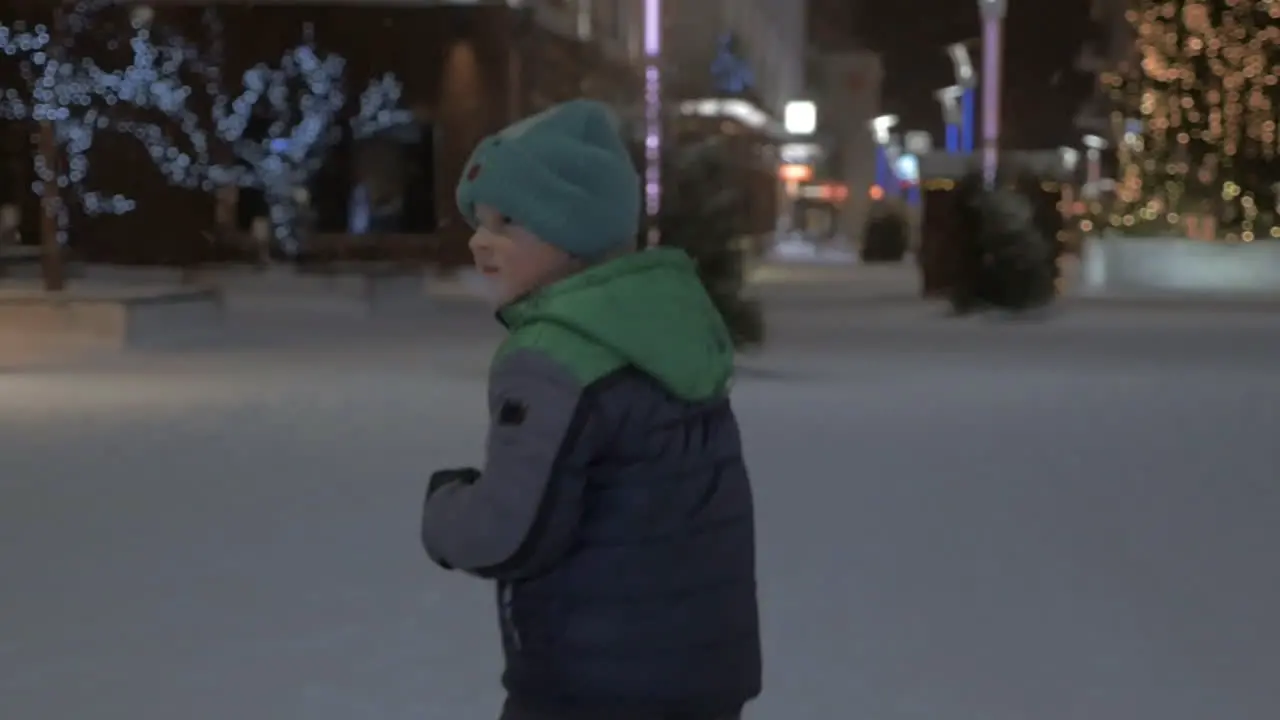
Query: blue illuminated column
x,y
963,95
908,172
952,115
969,109
882,131
884,174
916,144
897,179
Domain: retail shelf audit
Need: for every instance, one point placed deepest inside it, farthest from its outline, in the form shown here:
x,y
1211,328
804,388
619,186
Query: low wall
x,y
368,288
35,325
1135,266
355,287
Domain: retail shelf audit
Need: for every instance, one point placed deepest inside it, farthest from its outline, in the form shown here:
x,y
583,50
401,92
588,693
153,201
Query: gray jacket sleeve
x,y
519,517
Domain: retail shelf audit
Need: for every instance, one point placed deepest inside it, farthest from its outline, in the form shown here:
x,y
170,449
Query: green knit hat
x,y
563,174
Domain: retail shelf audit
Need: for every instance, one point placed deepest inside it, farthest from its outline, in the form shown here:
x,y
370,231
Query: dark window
x,y
392,187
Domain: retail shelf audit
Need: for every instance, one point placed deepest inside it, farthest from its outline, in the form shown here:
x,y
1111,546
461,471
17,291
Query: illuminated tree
x,y
170,95
1198,110
278,128
380,108
71,98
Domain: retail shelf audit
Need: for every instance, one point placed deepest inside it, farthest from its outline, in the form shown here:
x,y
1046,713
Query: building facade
x,y
1107,48
466,68
832,25
849,92
729,68
845,80
749,49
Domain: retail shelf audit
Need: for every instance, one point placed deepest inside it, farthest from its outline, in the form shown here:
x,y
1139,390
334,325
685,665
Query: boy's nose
x,y
478,243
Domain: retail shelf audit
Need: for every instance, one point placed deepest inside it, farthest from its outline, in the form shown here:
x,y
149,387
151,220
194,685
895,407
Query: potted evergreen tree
x,y
1005,261
887,237
702,213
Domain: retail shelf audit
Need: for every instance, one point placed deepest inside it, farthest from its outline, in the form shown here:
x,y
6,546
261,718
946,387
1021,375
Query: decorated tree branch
x,y
278,125
71,98
170,94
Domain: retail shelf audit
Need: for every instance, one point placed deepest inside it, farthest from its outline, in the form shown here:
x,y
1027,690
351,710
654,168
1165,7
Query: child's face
x,y
512,259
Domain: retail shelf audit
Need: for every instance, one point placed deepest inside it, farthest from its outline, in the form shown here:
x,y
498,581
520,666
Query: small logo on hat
x,y
474,172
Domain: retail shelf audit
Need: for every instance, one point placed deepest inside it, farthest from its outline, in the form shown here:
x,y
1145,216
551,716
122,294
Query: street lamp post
x,y
993,14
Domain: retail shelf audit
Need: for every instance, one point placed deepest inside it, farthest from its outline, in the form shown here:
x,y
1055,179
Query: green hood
x,y
646,310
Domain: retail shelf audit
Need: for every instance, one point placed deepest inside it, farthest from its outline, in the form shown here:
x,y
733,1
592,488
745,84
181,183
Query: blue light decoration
x,y
300,97
291,108
886,178
907,171
730,73
953,138
968,105
380,109
77,98
301,124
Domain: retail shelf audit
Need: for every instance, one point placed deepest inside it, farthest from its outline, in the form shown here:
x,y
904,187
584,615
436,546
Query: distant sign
x,y
800,117
907,169
918,142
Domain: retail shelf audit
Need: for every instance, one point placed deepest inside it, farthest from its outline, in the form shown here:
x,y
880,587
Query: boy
x,y
613,508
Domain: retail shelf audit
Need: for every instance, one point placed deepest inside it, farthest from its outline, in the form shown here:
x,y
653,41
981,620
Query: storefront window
x,y
393,183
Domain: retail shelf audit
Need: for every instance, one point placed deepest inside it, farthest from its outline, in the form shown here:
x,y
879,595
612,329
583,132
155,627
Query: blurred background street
x,y
1007,306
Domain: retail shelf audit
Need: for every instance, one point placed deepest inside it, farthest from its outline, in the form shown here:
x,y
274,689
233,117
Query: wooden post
x,y
53,271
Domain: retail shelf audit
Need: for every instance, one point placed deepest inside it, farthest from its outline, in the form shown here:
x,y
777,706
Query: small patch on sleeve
x,y
512,413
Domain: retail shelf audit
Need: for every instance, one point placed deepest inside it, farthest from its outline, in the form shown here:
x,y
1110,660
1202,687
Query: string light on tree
x,y
279,127
296,103
299,102
1205,151
380,108
78,98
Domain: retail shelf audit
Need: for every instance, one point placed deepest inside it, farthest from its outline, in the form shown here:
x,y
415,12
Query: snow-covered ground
x,y
959,520
796,248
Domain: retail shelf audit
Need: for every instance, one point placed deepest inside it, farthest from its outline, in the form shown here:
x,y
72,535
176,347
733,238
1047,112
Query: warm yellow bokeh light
x,y
1202,93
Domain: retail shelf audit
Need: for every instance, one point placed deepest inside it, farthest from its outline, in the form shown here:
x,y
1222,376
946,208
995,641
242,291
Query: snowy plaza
x,y
958,519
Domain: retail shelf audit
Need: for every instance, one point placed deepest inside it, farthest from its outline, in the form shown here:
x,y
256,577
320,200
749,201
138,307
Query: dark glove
x,y
438,480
